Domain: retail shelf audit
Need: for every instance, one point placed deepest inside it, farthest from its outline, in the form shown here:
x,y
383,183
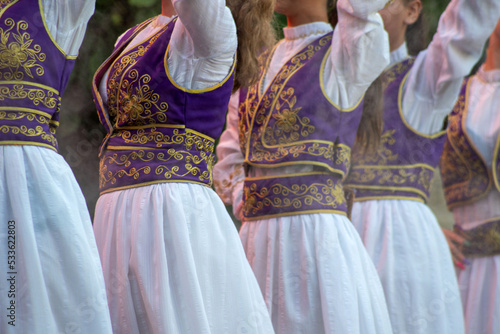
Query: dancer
x,y
292,134
171,256
51,278
469,168
392,184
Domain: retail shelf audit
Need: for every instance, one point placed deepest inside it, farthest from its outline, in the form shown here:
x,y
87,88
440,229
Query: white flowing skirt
x,y
414,263
173,263
315,275
480,289
480,281
51,271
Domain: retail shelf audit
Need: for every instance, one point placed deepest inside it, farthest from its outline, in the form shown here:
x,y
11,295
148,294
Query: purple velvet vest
x,y
293,122
404,165
157,130
466,176
34,72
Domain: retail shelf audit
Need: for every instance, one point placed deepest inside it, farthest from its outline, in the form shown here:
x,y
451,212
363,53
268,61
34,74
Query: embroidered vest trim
x,y
149,140
294,194
273,133
30,88
381,176
465,173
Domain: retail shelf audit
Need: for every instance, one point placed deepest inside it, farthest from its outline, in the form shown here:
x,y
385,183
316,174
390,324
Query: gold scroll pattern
x,y
29,131
18,54
180,162
459,162
298,196
132,92
38,96
147,136
395,71
165,164
288,128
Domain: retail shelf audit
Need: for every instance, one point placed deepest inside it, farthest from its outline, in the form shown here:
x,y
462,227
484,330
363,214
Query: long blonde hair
x,y
254,23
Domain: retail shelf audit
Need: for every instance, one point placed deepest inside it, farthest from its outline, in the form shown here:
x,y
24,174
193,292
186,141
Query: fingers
x,y
456,241
459,231
458,256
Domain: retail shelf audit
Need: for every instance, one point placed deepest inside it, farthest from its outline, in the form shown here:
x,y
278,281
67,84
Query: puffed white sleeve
x,y
206,30
228,171
67,22
435,80
360,51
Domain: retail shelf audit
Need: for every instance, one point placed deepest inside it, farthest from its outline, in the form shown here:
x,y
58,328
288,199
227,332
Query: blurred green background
x,y
80,133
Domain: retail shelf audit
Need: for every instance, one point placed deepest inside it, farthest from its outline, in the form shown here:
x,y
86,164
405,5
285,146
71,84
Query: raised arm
x,y
207,29
228,172
434,82
360,51
67,22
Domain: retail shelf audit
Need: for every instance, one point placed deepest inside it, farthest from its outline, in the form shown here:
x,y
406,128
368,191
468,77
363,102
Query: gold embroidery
x,y
29,132
4,4
16,54
391,177
225,186
38,96
289,127
119,89
484,240
343,155
13,116
465,177
144,136
190,167
492,239
295,196
288,132
137,99
395,71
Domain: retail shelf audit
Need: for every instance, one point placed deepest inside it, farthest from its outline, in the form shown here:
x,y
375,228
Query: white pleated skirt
x,y
480,289
173,263
414,263
480,281
315,275
51,271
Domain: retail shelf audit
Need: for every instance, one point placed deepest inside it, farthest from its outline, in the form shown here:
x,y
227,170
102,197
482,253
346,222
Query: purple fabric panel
x,y
294,122
283,196
465,175
484,240
404,163
163,132
33,76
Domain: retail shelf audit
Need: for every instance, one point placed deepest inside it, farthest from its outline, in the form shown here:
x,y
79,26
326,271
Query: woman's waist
x,y
126,167
292,190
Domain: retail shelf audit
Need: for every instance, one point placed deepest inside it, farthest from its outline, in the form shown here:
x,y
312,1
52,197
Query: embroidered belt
x,y
27,128
394,182
484,240
170,155
268,197
28,114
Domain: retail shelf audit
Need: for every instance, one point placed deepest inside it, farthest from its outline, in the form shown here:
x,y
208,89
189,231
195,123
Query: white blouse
x,y
67,22
202,47
359,38
435,80
483,126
